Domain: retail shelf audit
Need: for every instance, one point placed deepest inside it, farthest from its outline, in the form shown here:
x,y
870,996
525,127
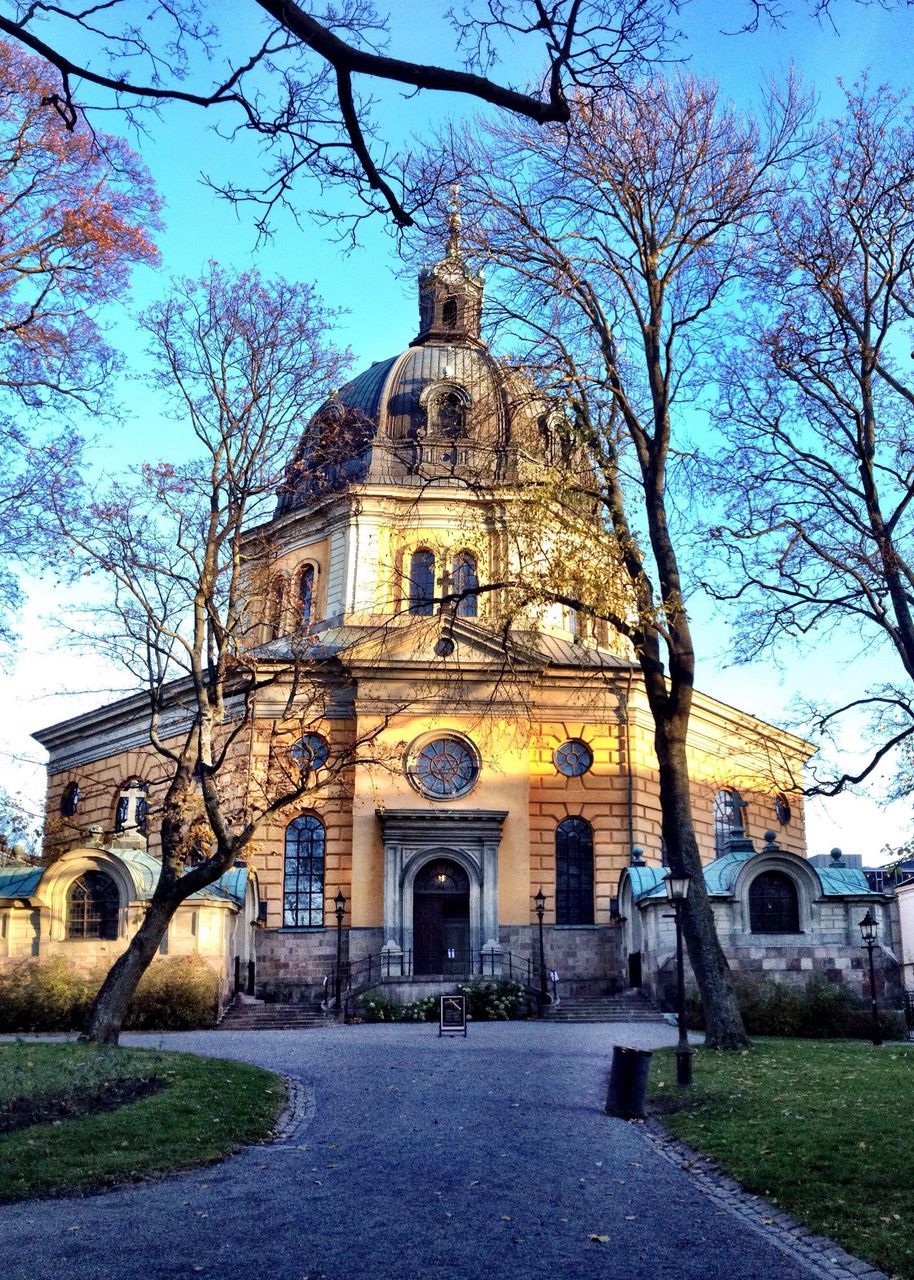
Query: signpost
x,y
452,1016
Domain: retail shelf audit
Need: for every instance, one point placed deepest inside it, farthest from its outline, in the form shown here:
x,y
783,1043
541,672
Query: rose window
x,y
444,768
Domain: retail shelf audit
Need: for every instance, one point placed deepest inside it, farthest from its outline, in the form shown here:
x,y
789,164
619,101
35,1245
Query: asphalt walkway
x,y
411,1157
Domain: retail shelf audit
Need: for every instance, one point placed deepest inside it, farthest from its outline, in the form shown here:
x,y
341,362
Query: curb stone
x,y
821,1258
296,1117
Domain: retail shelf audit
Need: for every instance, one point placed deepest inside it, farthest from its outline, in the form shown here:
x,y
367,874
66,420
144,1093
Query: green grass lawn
x,y
53,1141
824,1129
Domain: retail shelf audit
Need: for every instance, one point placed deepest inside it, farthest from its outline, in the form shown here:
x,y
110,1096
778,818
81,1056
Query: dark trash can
x,y
628,1082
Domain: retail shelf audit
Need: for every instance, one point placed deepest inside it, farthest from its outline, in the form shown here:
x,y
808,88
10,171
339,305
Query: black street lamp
x,y
339,903
677,890
540,902
869,927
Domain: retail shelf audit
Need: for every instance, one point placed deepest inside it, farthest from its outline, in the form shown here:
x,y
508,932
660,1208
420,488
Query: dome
x,y
443,411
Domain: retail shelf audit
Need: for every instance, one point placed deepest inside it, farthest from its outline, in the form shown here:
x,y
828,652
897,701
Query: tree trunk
x,y
109,1008
723,1021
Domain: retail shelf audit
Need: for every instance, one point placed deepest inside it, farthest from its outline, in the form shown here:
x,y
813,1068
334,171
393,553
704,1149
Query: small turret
x,y
450,295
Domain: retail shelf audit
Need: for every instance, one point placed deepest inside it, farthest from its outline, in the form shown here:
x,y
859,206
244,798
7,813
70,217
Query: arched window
x,y
303,874
132,808
774,906
573,872
449,312
422,582
69,801
92,906
277,606
728,817
306,594
465,579
450,415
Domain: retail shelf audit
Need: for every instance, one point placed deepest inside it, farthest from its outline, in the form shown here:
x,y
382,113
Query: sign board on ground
x,y
452,1016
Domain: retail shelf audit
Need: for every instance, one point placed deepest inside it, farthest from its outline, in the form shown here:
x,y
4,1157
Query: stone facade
x,y
392,677
823,940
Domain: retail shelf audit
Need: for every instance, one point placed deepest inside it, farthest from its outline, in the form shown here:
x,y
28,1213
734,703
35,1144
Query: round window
x,y
443,768
573,758
310,752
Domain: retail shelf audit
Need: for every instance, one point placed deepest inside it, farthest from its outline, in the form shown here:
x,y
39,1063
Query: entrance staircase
x,y
629,1006
260,1015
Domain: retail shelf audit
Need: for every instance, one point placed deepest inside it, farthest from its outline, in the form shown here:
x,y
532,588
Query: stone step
x,y
605,1009
260,1016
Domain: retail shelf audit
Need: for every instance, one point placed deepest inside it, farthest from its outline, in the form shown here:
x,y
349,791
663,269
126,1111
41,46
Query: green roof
x,y
19,881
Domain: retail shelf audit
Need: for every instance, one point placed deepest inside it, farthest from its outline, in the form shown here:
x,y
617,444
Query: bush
x,y
380,1008
173,995
820,1010
51,996
494,1001
425,1010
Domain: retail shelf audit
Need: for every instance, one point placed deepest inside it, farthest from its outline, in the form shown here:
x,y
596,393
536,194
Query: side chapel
x,y
509,754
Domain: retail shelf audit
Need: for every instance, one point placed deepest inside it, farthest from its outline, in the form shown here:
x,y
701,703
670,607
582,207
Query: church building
x,y
507,751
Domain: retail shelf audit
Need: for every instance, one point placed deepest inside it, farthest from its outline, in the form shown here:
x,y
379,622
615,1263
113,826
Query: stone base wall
x,y
840,965
588,959
292,965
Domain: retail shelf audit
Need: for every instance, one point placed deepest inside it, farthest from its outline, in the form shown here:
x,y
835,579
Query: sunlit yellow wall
x,y
503,785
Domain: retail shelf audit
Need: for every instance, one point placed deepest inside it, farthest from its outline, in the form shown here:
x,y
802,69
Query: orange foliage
x,y
76,209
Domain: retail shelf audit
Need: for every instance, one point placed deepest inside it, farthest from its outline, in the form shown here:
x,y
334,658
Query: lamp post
x,y
677,890
869,927
540,902
339,903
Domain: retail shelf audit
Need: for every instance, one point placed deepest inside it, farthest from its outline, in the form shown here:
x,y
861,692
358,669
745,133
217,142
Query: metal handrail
x,y
357,977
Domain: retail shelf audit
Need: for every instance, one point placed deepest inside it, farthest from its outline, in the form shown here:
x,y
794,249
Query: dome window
x,y
422,582
306,594
465,581
450,312
450,415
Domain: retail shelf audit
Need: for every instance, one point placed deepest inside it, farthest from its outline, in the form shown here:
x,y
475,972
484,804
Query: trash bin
x,y
628,1082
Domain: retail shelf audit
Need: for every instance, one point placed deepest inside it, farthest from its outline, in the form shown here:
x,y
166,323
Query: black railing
x,y
357,976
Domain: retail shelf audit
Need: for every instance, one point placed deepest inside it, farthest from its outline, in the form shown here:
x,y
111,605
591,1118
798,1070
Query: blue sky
x,y
379,307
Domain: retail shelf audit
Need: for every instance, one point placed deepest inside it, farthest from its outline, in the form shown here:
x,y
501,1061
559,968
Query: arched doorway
x,y
441,919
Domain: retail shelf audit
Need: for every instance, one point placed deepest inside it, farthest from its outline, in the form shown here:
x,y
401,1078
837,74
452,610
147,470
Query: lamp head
x,y
869,927
677,888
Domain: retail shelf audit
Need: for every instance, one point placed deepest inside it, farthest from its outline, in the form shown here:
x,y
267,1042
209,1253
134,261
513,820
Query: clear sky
x,y
379,318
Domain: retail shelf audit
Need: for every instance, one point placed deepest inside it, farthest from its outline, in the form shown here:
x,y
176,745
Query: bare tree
x,y
242,360
617,239
818,410
291,75
77,212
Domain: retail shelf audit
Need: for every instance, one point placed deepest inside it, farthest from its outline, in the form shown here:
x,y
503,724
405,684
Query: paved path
x,y
415,1158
